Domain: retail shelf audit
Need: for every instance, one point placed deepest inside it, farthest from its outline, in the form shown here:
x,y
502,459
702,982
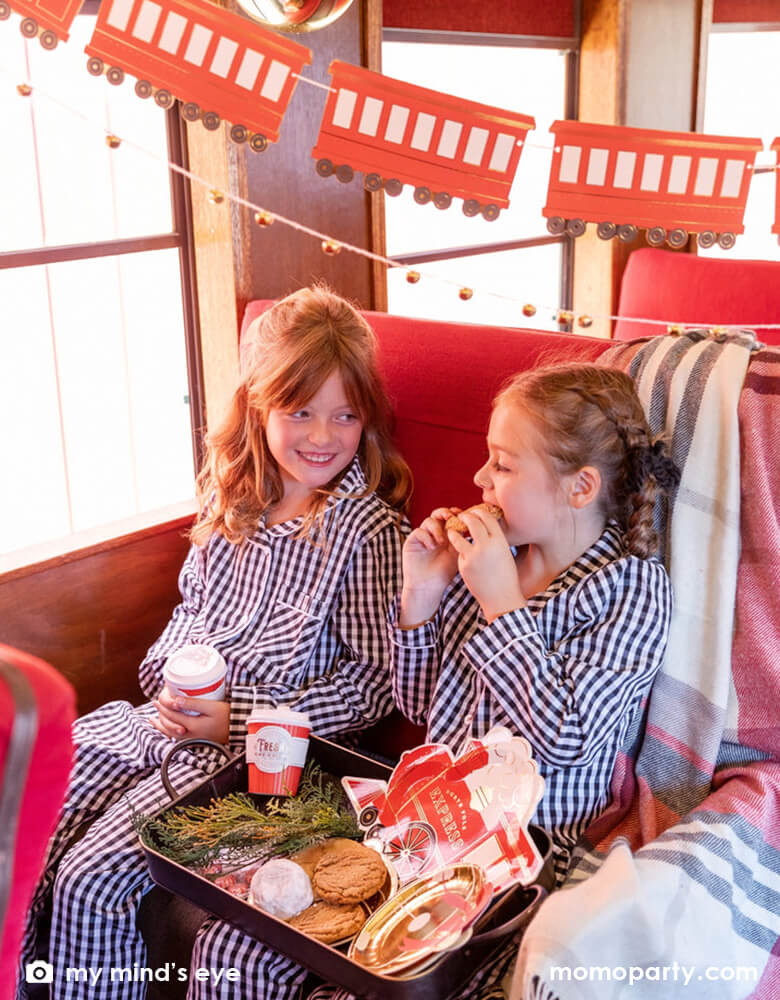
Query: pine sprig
x,y
234,831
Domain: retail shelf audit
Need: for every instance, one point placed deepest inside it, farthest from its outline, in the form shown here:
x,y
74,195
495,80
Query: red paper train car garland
x,y
397,133
222,65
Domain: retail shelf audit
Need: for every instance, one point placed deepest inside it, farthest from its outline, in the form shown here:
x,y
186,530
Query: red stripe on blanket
x,y
769,984
679,747
750,791
755,665
634,812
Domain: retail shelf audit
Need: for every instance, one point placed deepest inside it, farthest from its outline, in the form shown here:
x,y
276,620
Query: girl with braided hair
x,y
551,619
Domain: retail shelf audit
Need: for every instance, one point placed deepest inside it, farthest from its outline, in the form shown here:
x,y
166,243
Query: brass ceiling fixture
x,y
294,15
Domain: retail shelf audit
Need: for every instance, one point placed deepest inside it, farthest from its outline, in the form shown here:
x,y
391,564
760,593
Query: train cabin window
x,y
249,69
275,80
172,33
396,124
96,402
678,174
345,106
705,176
651,172
625,164
742,84
423,130
507,252
597,166
570,164
369,119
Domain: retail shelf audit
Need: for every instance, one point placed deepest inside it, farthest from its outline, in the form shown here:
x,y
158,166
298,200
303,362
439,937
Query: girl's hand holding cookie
x,y
429,566
486,564
213,722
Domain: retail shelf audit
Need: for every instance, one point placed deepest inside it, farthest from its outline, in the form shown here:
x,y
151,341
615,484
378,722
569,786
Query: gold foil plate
x,y
426,917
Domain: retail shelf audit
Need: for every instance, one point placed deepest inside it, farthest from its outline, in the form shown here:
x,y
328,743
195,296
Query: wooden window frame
x,y
568,45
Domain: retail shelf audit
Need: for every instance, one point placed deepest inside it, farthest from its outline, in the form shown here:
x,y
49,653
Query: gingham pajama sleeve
x,y
192,588
415,664
357,690
568,701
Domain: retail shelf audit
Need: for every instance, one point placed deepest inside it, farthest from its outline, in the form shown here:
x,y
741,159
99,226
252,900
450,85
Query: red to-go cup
x,y
276,746
196,671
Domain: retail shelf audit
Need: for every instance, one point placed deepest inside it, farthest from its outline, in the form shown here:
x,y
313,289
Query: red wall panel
x,y
742,11
554,19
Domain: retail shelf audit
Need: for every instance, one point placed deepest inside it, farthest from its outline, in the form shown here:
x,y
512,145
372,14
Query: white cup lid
x,y
194,665
280,716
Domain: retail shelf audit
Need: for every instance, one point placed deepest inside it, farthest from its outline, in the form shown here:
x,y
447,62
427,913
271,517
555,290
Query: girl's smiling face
x,y
317,441
519,481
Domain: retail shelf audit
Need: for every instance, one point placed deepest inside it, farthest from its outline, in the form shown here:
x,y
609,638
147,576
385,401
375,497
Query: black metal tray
x,y
507,916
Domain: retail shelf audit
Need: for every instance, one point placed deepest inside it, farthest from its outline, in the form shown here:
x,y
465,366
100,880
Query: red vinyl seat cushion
x,y
47,779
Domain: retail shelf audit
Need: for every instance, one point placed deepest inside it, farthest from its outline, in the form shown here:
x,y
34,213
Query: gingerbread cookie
x,y
454,522
348,873
329,922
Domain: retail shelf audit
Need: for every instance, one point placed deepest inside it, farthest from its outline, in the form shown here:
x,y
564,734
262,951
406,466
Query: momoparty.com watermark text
x,y
674,973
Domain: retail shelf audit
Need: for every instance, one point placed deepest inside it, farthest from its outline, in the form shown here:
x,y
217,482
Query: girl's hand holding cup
x,y
430,564
181,717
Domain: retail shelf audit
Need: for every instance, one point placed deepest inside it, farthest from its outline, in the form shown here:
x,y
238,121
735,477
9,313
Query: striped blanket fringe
x,y
677,890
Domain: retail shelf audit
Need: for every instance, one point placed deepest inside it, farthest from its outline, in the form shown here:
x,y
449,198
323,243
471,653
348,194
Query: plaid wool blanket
x,y
677,892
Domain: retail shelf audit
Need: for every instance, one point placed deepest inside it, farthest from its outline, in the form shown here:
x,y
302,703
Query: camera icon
x,y
39,972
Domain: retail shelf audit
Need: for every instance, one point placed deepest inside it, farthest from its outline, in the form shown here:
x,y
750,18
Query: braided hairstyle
x,y
589,415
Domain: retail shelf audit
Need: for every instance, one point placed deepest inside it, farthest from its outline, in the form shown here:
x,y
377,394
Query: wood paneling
x,y
279,259
209,158
93,614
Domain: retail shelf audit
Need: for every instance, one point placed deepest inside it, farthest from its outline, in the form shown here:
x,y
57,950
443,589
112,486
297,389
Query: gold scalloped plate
x,y
426,917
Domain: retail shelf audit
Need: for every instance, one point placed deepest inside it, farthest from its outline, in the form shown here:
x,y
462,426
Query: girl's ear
x,y
585,486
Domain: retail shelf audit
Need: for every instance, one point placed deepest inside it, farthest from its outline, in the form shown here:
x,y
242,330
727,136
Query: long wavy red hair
x,y
287,354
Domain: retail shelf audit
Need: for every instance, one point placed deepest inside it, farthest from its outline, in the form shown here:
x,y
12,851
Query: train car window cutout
x,y
570,164
705,176
120,14
423,131
396,124
146,22
275,79
172,33
345,106
502,151
199,42
369,118
449,139
625,165
678,174
249,69
732,179
223,57
597,167
651,172
475,147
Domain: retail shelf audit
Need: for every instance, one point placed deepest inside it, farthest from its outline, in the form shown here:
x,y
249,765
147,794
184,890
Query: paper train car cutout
x,y
50,20
221,65
397,133
225,65
670,183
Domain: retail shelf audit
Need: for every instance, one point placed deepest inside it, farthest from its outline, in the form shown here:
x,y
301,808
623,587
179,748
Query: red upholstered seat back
x,y
441,379
47,778
707,291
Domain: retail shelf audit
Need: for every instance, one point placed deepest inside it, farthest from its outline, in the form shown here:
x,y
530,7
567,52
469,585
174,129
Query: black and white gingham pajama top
x,y
568,672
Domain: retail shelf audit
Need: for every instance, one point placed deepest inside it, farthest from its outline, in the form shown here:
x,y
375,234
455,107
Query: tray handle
x,y
190,741
516,923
